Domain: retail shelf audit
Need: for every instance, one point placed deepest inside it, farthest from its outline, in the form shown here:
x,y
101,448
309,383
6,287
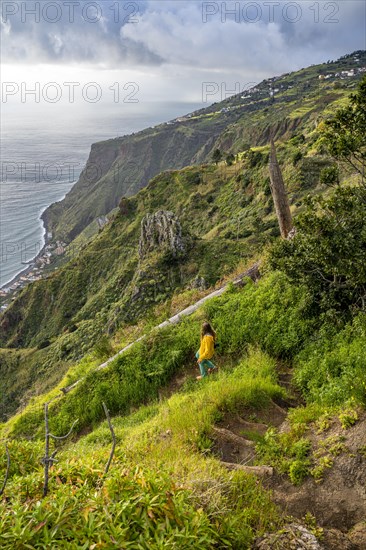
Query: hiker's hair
x,y
207,329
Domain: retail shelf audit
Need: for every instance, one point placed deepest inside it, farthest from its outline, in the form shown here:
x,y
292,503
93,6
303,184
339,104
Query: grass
x,y
166,489
178,495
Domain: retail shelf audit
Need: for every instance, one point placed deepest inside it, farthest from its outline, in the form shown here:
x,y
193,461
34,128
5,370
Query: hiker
x,y
206,351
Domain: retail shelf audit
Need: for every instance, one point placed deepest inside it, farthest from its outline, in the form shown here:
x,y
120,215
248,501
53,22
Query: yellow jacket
x,y
207,347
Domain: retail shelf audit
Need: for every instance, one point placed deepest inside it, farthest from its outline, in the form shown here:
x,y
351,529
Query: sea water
x,y
41,159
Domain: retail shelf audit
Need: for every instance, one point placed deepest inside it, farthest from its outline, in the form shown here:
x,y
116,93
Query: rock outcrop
x,y
161,232
293,536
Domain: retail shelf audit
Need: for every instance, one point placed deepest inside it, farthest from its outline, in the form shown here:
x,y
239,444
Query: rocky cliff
x,y
161,232
123,166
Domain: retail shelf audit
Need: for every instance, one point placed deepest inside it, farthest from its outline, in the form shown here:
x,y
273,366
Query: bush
x,y
328,252
124,206
44,344
296,157
230,159
255,158
192,178
330,175
331,370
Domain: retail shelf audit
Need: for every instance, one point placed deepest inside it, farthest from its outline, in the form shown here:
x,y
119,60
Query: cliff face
x,y
123,166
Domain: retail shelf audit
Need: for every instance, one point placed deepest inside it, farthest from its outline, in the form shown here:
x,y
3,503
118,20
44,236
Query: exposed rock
x,y
198,283
358,535
161,232
292,537
291,234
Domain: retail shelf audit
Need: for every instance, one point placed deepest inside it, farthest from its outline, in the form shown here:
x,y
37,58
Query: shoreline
x,y
32,263
24,271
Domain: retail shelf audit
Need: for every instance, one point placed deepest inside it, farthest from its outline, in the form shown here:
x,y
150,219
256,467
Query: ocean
x,y
41,159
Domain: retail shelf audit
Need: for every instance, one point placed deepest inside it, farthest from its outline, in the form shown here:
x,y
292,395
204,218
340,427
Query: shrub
x,y
328,252
230,159
44,344
330,175
254,158
296,157
331,370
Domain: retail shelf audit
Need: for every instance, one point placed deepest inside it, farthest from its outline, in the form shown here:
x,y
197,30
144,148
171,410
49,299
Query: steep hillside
x,y
265,452
220,443
124,165
226,215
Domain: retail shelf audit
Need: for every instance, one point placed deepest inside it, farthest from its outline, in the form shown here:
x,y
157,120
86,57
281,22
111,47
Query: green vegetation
x,y
194,502
226,212
345,133
327,253
122,166
305,317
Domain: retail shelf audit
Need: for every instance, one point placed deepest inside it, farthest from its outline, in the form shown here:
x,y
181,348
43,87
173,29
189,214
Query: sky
x,y
132,53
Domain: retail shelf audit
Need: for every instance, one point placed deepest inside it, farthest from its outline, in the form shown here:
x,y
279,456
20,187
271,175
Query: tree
x,y
328,252
345,133
230,159
216,156
329,176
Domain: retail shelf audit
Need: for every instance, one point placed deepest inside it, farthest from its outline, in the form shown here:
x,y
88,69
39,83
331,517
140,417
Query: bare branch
x,y
48,459
59,438
7,470
113,438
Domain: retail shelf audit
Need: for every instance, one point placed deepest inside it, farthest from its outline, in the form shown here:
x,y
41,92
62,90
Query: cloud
x,y
72,32
175,46
210,35
251,35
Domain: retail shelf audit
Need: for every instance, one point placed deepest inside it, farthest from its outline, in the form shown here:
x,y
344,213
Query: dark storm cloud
x,y
72,31
226,36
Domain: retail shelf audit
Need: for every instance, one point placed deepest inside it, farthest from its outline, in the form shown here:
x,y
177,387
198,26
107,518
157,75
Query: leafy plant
x,y
329,175
348,418
345,133
327,253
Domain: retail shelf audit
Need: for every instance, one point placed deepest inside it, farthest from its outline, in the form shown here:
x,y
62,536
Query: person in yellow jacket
x,y
206,351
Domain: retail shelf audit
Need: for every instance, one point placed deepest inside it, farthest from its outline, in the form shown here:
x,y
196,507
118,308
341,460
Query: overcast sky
x,y
167,49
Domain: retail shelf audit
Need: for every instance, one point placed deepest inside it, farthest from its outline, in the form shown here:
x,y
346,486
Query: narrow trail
x,y
252,273
338,503
235,436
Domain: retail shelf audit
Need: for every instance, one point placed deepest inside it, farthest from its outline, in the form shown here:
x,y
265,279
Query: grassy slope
x,y
228,212
179,493
176,496
194,503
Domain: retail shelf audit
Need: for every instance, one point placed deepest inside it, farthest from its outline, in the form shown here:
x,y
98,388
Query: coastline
x,y
32,263
24,271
